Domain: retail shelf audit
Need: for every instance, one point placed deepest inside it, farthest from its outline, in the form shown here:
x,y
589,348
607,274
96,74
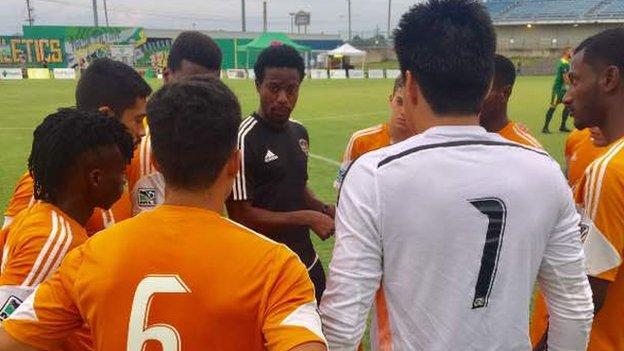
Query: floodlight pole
x,y
292,22
106,13
264,16
243,15
30,16
349,15
389,17
95,14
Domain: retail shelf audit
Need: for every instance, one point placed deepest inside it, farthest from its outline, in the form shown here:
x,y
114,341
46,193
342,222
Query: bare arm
x,y
599,289
265,221
7,343
313,203
310,346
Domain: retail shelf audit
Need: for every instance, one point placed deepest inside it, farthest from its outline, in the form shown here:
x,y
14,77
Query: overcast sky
x,y
328,16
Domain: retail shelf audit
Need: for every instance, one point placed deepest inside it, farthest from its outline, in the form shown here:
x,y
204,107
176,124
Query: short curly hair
x,y
278,56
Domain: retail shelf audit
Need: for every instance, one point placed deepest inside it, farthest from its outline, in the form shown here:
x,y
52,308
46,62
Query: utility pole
x,y
30,13
106,13
292,22
349,15
95,14
388,33
243,15
264,16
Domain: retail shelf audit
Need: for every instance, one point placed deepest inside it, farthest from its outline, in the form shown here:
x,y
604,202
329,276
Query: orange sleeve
x,y
602,197
21,196
32,257
50,314
291,312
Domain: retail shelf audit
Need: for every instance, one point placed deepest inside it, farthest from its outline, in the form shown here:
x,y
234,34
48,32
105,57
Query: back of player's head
x,y
197,48
110,83
606,49
193,126
504,72
63,138
399,83
280,56
448,46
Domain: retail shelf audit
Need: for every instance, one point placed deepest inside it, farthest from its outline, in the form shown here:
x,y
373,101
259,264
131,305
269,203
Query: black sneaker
x,y
564,130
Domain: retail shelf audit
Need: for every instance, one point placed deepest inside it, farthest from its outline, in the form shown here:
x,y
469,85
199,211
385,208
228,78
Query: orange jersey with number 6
x,y
202,283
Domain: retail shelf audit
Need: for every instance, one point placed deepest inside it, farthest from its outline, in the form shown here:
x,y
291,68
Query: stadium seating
x,y
554,10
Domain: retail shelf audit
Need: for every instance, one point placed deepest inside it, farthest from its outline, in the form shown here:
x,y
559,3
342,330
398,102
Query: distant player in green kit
x,y
559,90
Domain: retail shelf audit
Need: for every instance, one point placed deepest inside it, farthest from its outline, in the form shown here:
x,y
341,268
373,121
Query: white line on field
x,y
325,159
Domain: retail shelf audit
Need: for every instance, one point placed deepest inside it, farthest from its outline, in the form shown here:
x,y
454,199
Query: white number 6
x,y
138,331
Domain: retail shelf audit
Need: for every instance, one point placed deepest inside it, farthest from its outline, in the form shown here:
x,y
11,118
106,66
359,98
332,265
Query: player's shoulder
x,y
610,165
365,134
252,240
41,220
248,129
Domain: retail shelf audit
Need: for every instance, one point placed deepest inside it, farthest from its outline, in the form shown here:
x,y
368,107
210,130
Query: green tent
x,y
270,39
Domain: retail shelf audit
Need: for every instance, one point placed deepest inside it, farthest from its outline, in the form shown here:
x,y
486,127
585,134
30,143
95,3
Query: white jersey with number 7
x,y
446,234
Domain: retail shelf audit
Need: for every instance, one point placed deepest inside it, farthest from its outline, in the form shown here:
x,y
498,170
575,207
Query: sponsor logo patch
x,y
9,307
147,197
305,147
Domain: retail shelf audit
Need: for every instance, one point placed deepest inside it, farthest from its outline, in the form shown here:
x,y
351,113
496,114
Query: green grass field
x,y
331,110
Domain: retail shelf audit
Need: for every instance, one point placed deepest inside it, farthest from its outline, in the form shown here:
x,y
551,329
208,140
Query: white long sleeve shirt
x,y
446,234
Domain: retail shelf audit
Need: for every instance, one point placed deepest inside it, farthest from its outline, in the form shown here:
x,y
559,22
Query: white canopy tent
x,y
344,50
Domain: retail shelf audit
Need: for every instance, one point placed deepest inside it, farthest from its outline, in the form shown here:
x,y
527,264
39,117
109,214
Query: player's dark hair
x,y
193,126
60,140
110,83
399,83
280,56
448,46
582,45
607,49
504,71
197,48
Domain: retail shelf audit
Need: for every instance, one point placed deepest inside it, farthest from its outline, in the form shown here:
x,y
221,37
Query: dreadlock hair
x,y
62,138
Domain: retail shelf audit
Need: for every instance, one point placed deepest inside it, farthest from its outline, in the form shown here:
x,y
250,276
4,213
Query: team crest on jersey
x,y
147,197
9,307
304,146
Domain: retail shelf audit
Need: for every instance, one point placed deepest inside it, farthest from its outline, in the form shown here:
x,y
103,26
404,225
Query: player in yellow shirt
x,y
202,282
494,116
119,91
192,54
596,99
395,130
77,161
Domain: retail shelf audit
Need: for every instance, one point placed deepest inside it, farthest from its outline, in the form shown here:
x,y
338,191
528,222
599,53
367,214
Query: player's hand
x,y
321,224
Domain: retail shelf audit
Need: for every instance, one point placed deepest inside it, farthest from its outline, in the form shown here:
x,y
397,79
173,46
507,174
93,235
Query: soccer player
x,y
119,91
596,99
493,114
193,54
271,194
558,92
373,138
199,281
439,221
77,162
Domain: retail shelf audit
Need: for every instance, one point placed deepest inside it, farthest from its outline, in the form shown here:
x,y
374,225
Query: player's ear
x,y
507,89
107,111
411,88
233,164
611,78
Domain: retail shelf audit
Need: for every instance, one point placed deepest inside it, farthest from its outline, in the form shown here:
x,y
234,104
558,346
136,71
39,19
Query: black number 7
x,y
496,212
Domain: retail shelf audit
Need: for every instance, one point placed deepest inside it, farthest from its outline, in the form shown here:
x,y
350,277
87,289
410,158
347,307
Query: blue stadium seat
x,y
554,10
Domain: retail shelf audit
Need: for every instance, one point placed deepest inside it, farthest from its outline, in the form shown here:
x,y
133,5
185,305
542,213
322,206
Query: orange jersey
x,y
202,283
33,248
580,151
600,194
519,134
361,142
145,184
23,198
